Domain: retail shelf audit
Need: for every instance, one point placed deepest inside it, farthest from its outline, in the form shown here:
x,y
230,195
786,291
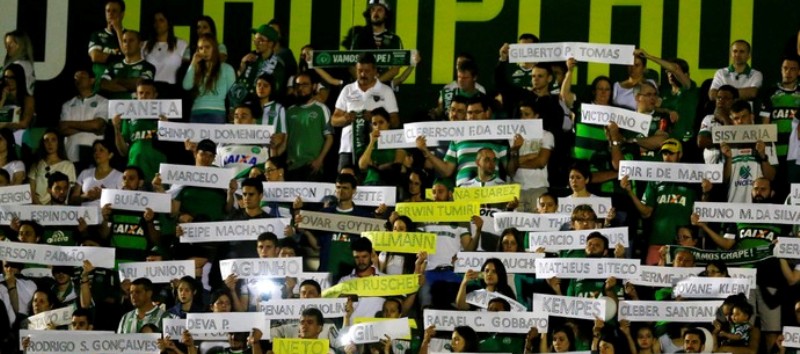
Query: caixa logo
x,y
55,46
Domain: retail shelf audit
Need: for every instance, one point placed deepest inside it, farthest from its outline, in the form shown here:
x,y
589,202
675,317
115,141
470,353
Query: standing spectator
x,y
781,108
739,74
206,25
120,78
263,60
8,158
52,158
134,137
282,49
209,79
273,114
726,95
243,157
104,45
376,36
534,155
384,165
13,95
466,86
19,50
624,94
744,163
83,119
166,52
518,75
310,134
353,106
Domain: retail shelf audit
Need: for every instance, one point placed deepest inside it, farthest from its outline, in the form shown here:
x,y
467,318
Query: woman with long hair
x,y
494,280
52,158
206,25
382,166
209,79
165,51
8,157
13,96
19,50
463,340
91,181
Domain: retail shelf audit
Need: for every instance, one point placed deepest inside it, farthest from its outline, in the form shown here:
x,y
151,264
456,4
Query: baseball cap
x,y
207,145
381,3
672,145
266,31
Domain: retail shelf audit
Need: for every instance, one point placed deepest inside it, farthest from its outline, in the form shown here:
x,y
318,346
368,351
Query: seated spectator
x,y
90,183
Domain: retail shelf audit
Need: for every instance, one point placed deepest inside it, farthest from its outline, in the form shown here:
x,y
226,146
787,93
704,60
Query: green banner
x,y
339,58
729,257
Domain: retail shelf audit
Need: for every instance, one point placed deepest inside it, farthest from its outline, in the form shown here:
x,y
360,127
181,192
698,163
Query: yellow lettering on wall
x,y
446,14
263,11
133,15
407,20
348,16
650,28
300,26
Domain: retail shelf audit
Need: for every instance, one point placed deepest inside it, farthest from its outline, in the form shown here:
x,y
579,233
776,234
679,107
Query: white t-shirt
x,y
167,62
13,167
39,172
534,177
241,157
448,243
711,155
87,181
725,76
744,170
353,99
626,97
82,110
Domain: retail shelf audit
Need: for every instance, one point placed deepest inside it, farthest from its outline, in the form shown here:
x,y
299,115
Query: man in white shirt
x,y
353,106
83,119
739,74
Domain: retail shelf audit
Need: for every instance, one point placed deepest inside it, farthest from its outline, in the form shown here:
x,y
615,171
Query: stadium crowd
x,y
312,110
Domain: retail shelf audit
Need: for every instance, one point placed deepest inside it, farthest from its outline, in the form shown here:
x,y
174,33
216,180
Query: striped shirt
x,y
131,323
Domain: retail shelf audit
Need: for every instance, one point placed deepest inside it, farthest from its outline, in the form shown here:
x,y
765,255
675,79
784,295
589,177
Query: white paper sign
x,y
795,193
787,247
101,257
60,342
57,317
395,139
748,213
626,119
744,273
145,109
196,176
657,276
502,129
373,332
375,196
600,205
37,272
515,262
158,272
587,268
322,278
239,134
227,231
670,172
226,321
746,133
481,298
136,200
312,220
791,337
174,327
530,221
561,51
256,268
16,195
287,192
672,311
569,306
486,322
553,241
711,288
291,309
50,215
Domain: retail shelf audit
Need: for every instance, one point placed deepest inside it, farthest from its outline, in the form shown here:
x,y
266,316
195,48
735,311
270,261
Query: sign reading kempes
x,y
575,240
136,200
145,109
475,130
670,172
569,306
256,134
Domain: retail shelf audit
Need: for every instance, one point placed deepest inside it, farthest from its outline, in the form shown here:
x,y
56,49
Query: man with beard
x,y
310,135
376,36
743,236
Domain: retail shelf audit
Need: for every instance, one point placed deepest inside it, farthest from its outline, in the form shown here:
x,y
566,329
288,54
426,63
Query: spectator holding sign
x,y
243,157
726,95
744,163
492,279
382,166
463,340
518,75
134,137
